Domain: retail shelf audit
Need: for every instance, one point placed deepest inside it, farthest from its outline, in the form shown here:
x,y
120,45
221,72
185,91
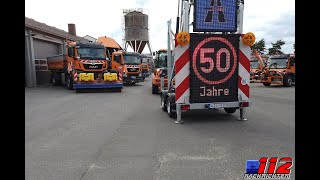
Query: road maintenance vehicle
x,y
146,65
131,67
281,70
211,66
84,66
160,69
256,67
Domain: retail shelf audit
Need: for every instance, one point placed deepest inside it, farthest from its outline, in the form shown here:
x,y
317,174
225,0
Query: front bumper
x,y
98,85
132,79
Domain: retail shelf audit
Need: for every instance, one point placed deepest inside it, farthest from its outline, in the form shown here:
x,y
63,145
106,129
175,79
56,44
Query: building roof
x,y
32,24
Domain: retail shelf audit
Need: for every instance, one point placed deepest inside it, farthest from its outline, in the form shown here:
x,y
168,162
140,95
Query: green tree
x,y
260,46
276,47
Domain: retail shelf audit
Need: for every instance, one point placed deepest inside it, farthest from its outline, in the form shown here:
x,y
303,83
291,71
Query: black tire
x,y
170,112
266,84
154,89
230,110
69,82
54,79
163,103
287,81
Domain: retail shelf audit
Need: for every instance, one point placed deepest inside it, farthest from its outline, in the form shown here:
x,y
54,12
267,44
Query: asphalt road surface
x,y
125,135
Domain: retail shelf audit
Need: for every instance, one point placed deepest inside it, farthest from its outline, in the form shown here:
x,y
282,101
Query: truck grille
x,y
90,66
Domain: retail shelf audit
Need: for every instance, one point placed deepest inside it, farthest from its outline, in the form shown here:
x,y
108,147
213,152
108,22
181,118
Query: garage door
x,y
43,49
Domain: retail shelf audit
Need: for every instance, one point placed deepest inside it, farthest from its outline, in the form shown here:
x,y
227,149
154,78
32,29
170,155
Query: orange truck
x,y
281,70
256,67
160,69
146,65
130,65
84,66
110,44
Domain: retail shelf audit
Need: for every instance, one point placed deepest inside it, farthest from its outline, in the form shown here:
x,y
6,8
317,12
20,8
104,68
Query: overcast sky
x,y
270,20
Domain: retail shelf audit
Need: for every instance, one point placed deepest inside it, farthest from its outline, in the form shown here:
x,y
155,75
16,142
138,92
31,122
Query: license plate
x,y
211,106
133,77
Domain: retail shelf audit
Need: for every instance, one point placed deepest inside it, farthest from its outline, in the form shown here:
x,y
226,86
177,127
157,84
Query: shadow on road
x,y
206,116
260,85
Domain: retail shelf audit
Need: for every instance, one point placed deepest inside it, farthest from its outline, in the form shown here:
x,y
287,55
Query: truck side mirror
x,y
292,62
70,51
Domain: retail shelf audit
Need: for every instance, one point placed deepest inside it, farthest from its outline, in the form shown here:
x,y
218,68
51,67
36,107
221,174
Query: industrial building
x,y
41,41
135,24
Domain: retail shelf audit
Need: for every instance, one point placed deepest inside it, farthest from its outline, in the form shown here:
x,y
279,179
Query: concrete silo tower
x,y
136,30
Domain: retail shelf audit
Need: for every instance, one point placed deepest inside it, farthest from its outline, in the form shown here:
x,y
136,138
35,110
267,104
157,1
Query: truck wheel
x,y
163,103
287,81
69,82
154,89
170,109
230,110
55,79
266,84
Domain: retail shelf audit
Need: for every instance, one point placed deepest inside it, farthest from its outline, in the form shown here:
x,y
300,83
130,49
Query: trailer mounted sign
x,y
214,60
215,16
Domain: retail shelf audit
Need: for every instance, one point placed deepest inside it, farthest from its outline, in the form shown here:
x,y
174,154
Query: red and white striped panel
x,y
132,66
92,61
120,73
182,70
244,70
75,77
69,67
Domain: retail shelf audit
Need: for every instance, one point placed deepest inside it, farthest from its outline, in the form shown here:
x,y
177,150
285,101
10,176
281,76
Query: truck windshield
x,y
91,53
144,60
161,61
254,64
278,63
131,59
